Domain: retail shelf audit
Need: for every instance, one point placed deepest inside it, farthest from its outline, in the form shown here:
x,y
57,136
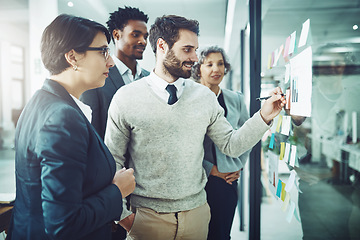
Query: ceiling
x,y
331,20
210,27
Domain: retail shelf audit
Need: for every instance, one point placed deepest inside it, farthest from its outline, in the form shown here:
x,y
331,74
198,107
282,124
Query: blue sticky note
x,y
272,140
279,188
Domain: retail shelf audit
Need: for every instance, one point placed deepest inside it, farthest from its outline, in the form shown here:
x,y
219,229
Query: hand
x,y
233,176
272,107
228,177
127,222
125,181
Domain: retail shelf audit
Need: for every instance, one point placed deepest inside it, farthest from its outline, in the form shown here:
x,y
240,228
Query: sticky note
x,y
292,156
297,186
287,45
304,33
290,212
275,53
272,140
292,42
286,202
279,123
285,126
282,150
291,181
287,152
279,188
297,215
281,50
283,193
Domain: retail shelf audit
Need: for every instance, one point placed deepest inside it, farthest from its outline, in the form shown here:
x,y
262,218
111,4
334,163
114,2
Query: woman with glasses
x,y
223,171
67,186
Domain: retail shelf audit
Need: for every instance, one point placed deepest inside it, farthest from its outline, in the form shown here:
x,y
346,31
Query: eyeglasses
x,y
104,51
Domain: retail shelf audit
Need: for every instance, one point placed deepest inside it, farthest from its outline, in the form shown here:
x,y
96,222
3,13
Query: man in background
x,y
128,30
161,121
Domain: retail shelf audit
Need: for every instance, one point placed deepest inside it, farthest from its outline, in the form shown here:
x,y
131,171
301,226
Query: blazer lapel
x,y
115,77
58,90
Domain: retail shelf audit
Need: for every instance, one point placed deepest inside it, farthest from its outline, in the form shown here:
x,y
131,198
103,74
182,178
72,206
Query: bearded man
x,y
163,130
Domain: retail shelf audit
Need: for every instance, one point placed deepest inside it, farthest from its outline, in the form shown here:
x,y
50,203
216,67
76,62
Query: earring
x,y
75,67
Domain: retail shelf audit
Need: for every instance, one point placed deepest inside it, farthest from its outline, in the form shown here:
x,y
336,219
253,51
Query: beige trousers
x,y
186,225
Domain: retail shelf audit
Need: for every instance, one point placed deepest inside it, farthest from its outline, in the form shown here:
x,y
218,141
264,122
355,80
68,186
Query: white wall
x,y
12,34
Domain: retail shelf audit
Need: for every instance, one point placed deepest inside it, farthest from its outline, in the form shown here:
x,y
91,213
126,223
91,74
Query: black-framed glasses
x,y
104,51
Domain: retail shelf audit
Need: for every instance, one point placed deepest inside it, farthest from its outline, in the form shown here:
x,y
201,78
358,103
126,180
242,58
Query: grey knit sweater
x,y
165,142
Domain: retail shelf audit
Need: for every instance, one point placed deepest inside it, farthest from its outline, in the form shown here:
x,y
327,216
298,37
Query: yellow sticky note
x,y
286,202
279,123
283,192
269,62
282,150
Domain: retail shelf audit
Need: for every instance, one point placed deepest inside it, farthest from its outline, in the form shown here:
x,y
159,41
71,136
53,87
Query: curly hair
x,y
167,28
195,73
120,18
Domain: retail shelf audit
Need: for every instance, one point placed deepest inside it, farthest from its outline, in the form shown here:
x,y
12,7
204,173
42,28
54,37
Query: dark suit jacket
x,y
99,99
237,115
64,172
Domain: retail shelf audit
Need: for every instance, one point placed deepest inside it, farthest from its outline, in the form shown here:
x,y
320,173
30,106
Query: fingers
x,y
276,97
130,170
276,91
232,177
125,181
127,222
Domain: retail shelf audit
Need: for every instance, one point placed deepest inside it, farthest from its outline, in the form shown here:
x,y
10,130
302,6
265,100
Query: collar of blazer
x,y
55,88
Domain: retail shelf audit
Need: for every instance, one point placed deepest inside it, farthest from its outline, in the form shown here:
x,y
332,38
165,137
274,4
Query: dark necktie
x,y
172,91
223,105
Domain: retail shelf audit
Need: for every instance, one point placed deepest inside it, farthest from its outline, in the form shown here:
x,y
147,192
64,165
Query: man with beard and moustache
x,y
164,133
128,30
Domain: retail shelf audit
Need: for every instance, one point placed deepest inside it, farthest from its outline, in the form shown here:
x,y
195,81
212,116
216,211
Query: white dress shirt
x,y
84,108
158,85
125,72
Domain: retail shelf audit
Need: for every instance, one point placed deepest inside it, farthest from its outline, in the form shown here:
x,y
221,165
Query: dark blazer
x,y
64,172
99,99
237,114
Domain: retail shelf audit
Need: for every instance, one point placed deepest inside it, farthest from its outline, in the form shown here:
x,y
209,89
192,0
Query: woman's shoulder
x,y
231,93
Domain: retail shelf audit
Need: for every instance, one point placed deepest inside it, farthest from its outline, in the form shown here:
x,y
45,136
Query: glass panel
x,y
311,171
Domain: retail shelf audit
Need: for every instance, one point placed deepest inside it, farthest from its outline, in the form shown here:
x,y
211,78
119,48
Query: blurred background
x,y
328,155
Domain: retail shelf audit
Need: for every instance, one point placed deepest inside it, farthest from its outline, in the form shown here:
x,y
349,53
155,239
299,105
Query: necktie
x,y
172,91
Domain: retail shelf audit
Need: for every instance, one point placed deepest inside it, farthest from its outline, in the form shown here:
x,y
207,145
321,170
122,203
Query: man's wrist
x,y
265,119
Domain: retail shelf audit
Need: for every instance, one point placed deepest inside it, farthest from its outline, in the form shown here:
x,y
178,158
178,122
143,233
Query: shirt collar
x,y
162,84
218,92
123,68
84,108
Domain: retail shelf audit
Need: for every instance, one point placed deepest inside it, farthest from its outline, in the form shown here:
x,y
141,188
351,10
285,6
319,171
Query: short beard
x,y
174,66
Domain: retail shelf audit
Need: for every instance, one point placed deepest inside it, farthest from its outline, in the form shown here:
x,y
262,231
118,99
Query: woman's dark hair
x,y
120,18
195,73
167,28
64,33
